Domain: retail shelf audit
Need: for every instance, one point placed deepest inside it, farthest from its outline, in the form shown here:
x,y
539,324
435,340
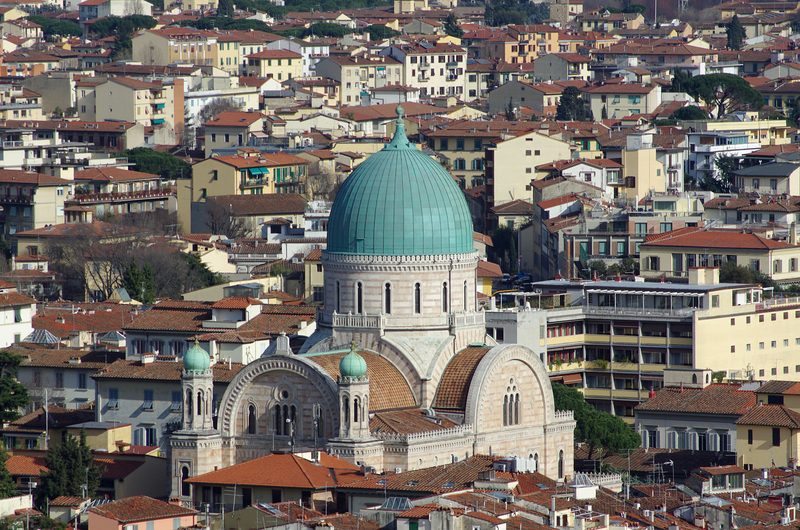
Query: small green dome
x,y
353,365
400,202
196,359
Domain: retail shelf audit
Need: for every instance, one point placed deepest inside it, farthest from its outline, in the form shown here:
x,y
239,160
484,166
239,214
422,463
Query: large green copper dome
x,y
400,202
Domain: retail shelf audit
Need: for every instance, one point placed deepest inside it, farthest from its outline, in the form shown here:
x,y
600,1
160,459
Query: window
x,y
444,297
641,229
602,248
776,436
147,404
715,302
749,436
387,298
113,398
511,405
82,381
251,419
417,298
666,227
359,298
59,379
459,144
176,401
319,294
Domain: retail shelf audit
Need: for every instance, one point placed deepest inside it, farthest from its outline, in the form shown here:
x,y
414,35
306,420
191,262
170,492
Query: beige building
x,y
314,278
511,163
675,253
359,74
621,100
185,45
232,129
247,173
32,200
278,64
151,104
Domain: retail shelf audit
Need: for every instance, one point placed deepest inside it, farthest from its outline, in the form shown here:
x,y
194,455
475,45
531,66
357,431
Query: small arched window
x,y
286,420
189,401
338,297
359,298
466,299
505,410
251,419
444,297
536,461
200,403
278,419
186,488
561,464
694,378
417,298
516,409
387,298
356,406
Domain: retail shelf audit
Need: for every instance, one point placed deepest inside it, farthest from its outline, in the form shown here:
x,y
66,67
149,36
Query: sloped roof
x,y
388,388
771,416
722,239
140,508
714,399
265,204
277,471
456,378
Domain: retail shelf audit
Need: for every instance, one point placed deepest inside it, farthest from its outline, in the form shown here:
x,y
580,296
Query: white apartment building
x,y
436,69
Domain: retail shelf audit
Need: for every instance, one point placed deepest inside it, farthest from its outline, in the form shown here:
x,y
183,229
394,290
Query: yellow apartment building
x,y
767,132
248,173
278,64
675,253
176,44
131,100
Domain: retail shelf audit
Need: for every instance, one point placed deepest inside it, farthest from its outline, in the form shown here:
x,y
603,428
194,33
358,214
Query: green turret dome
x,y
353,365
400,202
196,359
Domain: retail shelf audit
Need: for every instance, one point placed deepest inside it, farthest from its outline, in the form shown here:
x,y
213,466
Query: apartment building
x,y
185,45
278,64
677,252
231,129
247,173
775,178
31,200
706,148
94,9
435,69
614,339
620,100
510,164
127,99
562,67
357,75
535,39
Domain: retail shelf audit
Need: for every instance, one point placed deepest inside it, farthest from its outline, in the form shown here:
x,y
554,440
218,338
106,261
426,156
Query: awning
x,y
571,379
258,171
556,378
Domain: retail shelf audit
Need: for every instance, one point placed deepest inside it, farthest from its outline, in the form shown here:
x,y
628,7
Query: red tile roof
x,y
383,376
713,239
26,466
234,119
771,416
140,508
275,54
714,399
455,382
276,471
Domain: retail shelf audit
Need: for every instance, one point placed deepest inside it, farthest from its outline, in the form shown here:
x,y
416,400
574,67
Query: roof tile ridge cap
x,y
303,471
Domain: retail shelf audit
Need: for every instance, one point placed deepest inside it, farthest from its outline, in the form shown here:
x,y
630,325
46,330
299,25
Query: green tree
x,y
729,272
52,28
597,429
380,32
571,107
7,486
13,395
139,282
72,471
451,26
725,92
513,257
165,165
511,114
726,166
636,8
690,113
225,8
680,81
735,33
326,29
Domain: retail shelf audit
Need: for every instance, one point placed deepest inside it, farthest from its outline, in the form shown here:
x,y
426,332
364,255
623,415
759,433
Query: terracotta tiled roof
x,y
96,229
112,174
140,508
456,379
771,416
406,421
59,417
275,54
161,371
487,269
114,469
235,302
515,207
61,359
26,465
714,399
712,239
431,480
15,299
779,387
278,159
65,500
722,470
388,388
275,470
234,119
314,255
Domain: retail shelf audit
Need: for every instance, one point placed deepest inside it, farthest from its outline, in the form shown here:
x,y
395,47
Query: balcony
x,y
451,65
95,198
16,199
